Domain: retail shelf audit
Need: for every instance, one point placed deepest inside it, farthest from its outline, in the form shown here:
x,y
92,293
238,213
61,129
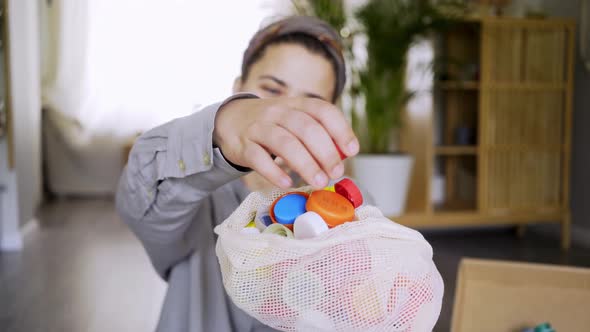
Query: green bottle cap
x,y
279,229
545,327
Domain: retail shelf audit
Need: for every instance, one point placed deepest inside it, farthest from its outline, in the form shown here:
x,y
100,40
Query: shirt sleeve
x,y
171,170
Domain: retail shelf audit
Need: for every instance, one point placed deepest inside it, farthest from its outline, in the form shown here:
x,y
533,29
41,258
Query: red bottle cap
x,y
342,155
350,191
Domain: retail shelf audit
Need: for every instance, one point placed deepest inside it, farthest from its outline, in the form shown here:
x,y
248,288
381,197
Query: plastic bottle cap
x,y
279,229
309,225
262,219
545,327
250,230
300,281
350,191
332,207
288,207
330,188
340,153
314,320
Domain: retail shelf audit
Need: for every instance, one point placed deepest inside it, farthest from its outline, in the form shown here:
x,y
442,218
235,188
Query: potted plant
x,y
377,87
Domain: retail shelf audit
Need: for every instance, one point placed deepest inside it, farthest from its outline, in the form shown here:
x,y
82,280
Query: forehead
x,y
302,70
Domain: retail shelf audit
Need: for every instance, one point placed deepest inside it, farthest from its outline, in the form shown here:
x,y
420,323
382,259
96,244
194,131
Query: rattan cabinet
x,y
499,133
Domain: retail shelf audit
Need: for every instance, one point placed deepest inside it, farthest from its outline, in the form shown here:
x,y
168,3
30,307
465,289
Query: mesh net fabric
x,y
369,275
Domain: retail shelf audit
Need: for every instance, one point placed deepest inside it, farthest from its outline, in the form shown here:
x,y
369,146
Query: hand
x,y
302,131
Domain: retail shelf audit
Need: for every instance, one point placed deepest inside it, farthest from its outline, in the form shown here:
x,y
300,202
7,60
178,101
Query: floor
x,y
82,270
536,246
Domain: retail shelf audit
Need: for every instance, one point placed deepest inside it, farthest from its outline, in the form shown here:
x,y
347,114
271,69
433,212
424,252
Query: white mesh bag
x,y
367,275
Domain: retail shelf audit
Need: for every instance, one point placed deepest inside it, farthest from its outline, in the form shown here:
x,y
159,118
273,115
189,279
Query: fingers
x,y
281,142
315,139
260,161
331,118
307,133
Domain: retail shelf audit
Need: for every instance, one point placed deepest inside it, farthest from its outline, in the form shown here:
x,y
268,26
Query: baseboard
x,y
580,236
29,227
13,241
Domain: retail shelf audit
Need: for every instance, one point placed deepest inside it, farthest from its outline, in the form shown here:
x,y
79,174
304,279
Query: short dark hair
x,y
310,43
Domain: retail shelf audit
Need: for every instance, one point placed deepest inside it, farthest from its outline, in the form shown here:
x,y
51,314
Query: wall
x,y
24,182
580,182
9,213
26,103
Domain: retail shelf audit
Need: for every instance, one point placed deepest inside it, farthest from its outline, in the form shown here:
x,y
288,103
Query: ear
x,y
237,87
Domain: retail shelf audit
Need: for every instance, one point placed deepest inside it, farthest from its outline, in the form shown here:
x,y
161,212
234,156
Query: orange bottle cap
x,y
332,207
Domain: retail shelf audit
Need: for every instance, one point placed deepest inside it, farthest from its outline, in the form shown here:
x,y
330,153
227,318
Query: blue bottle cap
x,y
266,220
289,207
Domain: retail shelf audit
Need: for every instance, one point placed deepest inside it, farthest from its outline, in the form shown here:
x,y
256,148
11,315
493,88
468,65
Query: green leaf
x,y
391,27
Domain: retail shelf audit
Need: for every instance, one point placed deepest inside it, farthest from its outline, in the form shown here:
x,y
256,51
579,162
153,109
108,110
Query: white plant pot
x,y
438,189
386,178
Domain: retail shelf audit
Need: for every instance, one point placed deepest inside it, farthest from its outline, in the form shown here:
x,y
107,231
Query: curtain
x,y
122,66
114,68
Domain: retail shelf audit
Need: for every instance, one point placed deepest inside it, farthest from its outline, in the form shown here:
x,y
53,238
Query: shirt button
x,y
181,165
206,159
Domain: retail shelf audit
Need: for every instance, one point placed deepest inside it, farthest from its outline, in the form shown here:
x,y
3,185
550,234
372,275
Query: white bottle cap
x,y
250,230
309,225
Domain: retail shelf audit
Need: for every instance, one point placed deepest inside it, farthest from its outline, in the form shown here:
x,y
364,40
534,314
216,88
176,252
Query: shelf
x,y
520,86
525,147
525,86
455,150
473,218
518,22
456,206
501,123
454,187
458,85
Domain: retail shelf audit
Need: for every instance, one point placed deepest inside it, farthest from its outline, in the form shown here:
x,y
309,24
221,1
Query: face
x,y
289,70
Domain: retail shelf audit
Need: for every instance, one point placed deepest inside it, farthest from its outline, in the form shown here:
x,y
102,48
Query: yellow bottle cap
x,y
330,188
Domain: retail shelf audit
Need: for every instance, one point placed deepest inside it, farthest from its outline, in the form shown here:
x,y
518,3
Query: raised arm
x,y
171,169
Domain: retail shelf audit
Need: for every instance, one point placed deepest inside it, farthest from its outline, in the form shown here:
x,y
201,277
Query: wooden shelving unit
x,y
502,117
458,85
455,150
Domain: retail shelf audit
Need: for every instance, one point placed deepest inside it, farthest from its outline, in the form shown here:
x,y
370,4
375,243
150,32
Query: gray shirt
x,y
174,190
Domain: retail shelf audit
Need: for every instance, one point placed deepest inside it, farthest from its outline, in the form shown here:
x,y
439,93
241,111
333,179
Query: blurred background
x,y
484,148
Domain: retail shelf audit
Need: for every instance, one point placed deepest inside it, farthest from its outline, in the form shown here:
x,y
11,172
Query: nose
x,y
292,93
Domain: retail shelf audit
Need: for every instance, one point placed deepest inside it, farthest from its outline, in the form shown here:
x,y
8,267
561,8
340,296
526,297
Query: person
x,y
185,177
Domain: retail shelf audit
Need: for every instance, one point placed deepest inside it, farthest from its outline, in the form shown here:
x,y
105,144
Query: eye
x,y
272,91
